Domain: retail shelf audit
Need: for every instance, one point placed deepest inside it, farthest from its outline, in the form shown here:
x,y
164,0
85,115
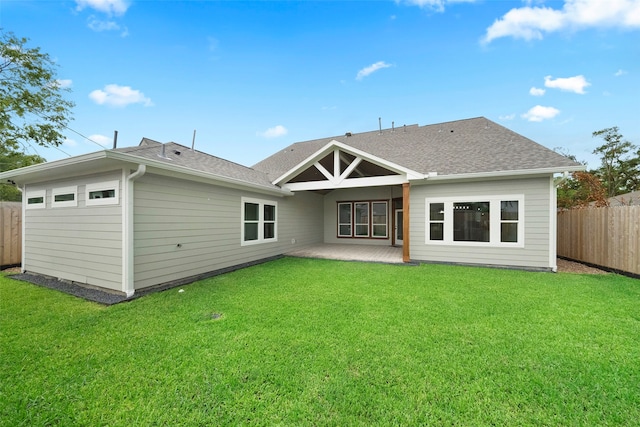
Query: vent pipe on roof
x,y
163,154
380,125
193,141
404,128
393,126
115,139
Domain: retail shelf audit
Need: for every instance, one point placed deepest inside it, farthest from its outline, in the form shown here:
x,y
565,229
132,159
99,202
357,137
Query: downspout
x,y
128,285
553,218
23,226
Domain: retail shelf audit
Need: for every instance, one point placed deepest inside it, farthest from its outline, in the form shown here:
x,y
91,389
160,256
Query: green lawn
x,y
319,342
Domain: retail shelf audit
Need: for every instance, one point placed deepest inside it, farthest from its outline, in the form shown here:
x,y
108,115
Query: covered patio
x,y
367,253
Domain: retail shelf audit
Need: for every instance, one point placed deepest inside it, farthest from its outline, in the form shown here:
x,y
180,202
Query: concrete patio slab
x,y
367,253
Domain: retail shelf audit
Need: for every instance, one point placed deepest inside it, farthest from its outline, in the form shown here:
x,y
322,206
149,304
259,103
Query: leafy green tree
x,y
10,159
620,162
581,190
32,106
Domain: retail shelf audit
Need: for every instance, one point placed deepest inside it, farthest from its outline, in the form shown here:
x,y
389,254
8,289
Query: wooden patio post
x,y
405,222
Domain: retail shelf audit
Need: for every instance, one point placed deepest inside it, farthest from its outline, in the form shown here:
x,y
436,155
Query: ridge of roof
x,y
146,142
180,155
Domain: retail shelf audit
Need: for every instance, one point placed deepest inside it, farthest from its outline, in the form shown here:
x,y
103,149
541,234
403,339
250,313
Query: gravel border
x,y
111,297
569,266
90,294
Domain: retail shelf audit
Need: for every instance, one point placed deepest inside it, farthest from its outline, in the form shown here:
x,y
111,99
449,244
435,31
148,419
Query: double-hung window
x,y
476,221
344,220
361,219
364,219
509,221
259,221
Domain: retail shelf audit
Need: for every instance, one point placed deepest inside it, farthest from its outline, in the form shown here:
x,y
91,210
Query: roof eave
x,y
22,174
501,174
43,167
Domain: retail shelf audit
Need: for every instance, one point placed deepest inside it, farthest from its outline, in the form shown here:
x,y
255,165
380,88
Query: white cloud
x,y
534,91
110,7
437,5
540,113
531,23
69,143
620,73
508,117
570,84
105,141
274,132
371,69
64,83
119,96
99,25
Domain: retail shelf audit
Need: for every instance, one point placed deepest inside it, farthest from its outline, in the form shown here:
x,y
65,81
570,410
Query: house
x,y
468,191
627,199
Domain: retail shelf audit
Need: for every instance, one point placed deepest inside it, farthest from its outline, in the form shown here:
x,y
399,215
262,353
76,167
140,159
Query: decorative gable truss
x,y
338,165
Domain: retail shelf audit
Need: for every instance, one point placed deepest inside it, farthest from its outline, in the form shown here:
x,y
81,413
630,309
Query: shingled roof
x,y
475,145
179,155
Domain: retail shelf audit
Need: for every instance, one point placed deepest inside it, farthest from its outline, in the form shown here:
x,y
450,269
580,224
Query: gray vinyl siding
x,y
184,228
77,243
354,195
534,254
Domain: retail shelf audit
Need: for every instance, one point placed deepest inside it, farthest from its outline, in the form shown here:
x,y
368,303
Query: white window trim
x,y
369,223
66,203
34,194
494,224
261,203
103,186
350,223
386,224
356,223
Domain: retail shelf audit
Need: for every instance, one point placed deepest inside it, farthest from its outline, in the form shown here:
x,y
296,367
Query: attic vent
x,y
348,134
176,152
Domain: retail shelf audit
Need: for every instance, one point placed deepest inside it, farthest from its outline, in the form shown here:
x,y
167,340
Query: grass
x,y
318,342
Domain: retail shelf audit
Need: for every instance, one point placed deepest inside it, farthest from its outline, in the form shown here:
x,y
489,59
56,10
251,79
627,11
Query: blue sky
x,y
254,77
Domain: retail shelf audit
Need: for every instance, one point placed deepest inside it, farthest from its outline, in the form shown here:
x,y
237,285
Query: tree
x,y
32,106
10,159
581,190
620,167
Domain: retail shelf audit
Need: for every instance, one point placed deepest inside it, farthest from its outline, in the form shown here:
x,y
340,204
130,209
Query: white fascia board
x,y
501,174
373,181
24,173
223,180
305,163
349,149
43,167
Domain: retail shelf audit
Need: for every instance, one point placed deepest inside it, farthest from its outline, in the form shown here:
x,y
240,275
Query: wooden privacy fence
x,y
608,237
10,233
